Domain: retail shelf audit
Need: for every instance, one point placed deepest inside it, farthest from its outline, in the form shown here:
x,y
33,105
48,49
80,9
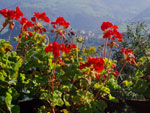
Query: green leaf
x,y
113,84
2,78
140,86
15,94
113,99
29,54
105,90
97,86
8,100
15,109
57,100
101,105
67,103
12,82
51,64
45,96
42,109
127,83
22,76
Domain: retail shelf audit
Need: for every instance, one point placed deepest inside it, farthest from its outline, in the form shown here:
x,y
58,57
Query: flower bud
x,y
80,39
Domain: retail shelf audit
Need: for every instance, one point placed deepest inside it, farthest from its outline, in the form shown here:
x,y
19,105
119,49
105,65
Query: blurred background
x,y
85,14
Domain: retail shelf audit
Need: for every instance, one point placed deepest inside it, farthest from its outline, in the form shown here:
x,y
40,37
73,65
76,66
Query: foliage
x,y
65,77
135,79
137,39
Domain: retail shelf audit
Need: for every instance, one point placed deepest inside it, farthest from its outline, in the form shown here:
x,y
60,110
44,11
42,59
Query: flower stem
x,y
83,43
109,56
105,48
121,70
47,40
17,44
56,37
2,29
101,52
9,35
53,77
105,82
77,51
53,110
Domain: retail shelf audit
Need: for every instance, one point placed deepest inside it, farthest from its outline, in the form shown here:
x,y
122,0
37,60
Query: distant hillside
x,y
144,16
82,14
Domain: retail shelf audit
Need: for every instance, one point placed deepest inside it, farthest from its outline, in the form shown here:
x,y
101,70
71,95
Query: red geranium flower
x,y
108,34
41,16
115,73
111,32
59,25
128,56
97,76
25,24
117,35
106,25
94,63
61,22
55,48
37,23
9,15
18,13
4,12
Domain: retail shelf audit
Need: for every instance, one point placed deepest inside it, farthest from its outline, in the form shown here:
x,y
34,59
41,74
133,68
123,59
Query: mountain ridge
x,y
82,14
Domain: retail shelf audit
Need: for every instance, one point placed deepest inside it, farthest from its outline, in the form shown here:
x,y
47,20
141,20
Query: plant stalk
x,y
105,47
121,70
109,56
77,52
9,35
2,29
17,44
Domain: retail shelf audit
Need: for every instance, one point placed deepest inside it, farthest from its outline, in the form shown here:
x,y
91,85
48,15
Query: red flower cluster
x,y
128,56
10,15
97,76
37,24
24,29
25,24
106,25
55,48
71,46
61,22
39,28
96,64
111,31
41,16
115,73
